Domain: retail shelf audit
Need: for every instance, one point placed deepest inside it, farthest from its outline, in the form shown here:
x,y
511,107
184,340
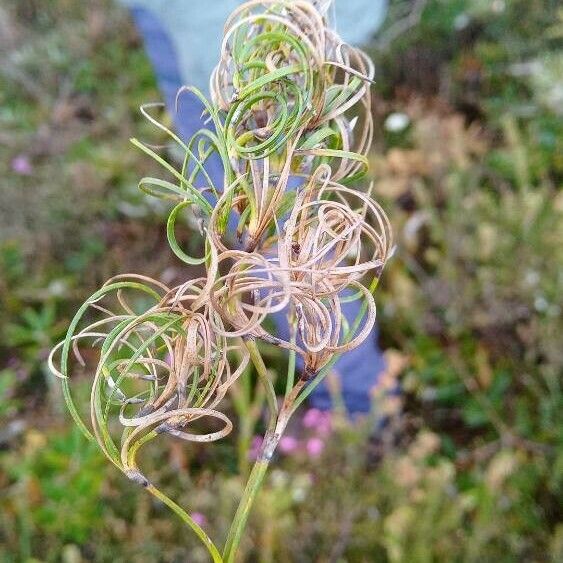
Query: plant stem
x,y
239,523
260,467
262,372
205,539
278,421
258,473
243,445
255,480
291,364
276,427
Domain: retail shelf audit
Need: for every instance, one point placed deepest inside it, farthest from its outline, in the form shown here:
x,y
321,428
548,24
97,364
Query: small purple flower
x,y
288,444
315,447
22,165
199,518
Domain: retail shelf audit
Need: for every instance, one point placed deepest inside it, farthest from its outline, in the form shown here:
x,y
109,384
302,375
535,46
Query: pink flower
x,y
324,428
199,518
315,447
22,165
288,444
312,418
318,420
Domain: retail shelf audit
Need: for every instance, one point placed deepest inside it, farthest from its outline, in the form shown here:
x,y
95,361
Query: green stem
x,y
243,445
259,469
239,523
205,539
256,478
262,372
291,365
276,427
257,474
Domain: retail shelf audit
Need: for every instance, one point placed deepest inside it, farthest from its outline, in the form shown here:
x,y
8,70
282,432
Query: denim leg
x,y
187,112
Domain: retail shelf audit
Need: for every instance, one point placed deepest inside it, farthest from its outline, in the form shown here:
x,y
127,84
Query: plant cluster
x,y
286,231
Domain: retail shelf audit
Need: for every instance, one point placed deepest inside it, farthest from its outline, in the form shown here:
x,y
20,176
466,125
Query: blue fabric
x,y
359,369
194,27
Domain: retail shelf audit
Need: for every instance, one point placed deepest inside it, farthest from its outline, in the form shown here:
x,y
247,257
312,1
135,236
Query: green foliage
x,y
9,404
50,500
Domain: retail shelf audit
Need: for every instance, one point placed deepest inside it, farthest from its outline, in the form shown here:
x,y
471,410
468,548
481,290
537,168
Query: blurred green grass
x,y
468,466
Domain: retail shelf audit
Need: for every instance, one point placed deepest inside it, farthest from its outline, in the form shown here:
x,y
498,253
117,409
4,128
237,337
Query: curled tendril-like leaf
x,y
275,47
285,75
255,287
336,235
251,290
288,97
159,366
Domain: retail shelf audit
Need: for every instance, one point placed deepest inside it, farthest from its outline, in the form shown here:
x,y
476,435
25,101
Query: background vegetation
x,y
467,461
